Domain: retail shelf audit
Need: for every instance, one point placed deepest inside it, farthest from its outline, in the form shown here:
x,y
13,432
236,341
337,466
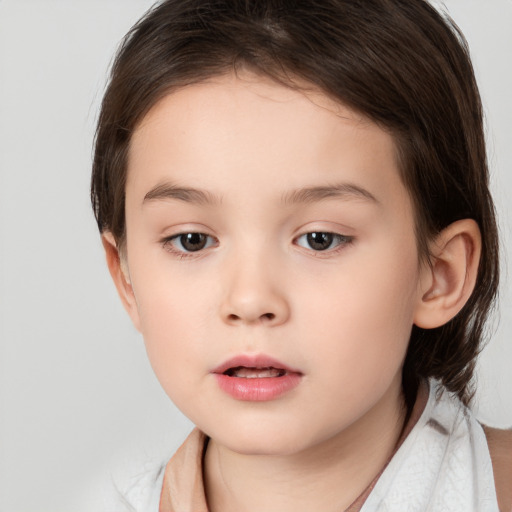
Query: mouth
x,y
256,378
254,366
244,372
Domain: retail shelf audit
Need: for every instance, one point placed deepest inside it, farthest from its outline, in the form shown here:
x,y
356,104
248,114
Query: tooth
x,y
256,373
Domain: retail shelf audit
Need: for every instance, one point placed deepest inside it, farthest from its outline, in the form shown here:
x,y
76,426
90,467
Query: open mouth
x,y
245,372
256,378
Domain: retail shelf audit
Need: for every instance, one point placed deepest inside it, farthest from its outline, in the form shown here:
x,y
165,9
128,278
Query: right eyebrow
x,y
165,191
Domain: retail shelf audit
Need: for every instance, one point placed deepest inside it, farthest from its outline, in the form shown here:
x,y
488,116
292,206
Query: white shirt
x,y
443,465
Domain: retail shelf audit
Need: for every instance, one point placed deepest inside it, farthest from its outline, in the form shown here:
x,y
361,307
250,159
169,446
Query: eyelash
x,y
168,244
341,242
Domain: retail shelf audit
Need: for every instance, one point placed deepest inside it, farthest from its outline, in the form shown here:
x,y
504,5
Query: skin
x,y
341,316
500,447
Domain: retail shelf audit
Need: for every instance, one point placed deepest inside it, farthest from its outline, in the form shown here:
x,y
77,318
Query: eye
x,y
188,242
322,241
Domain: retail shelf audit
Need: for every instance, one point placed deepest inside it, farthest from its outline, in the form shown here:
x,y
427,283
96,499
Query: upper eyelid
x,y
348,238
173,236
336,232
302,233
181,233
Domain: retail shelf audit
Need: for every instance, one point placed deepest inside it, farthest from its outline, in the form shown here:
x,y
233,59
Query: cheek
x,y
173,315
362,316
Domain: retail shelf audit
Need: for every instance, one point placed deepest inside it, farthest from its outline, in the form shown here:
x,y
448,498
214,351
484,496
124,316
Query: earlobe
x,y
449,280
118,269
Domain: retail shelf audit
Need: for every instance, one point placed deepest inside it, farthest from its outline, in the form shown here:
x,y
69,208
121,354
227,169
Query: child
x,y
293,200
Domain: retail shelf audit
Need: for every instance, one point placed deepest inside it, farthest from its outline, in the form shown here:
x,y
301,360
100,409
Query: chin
x,y
270,447
263,440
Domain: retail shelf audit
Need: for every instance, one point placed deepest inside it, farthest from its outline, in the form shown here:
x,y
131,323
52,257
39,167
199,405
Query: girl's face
x,y
272,257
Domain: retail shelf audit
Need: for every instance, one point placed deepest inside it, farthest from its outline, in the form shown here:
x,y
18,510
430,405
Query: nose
x,y
252,295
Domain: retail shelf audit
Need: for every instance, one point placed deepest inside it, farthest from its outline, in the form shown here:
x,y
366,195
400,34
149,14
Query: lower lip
x,y
259,389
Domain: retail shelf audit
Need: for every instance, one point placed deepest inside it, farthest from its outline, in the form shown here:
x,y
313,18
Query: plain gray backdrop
x,y
77,396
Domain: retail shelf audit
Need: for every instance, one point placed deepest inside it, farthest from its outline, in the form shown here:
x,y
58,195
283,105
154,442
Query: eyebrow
x,y
299,196
187,194
339,190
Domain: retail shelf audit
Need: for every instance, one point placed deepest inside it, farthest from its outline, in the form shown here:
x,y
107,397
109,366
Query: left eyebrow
x,y
340,190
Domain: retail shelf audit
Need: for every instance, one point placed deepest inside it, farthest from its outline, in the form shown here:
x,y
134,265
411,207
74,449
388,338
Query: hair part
x,y
397,62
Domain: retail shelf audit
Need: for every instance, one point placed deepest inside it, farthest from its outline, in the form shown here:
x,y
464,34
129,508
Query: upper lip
x,y
253,361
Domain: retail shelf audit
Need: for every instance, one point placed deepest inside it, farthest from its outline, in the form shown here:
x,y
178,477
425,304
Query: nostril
x,y
264,317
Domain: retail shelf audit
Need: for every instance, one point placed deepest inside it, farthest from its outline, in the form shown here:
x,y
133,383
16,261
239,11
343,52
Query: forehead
x,y
232,133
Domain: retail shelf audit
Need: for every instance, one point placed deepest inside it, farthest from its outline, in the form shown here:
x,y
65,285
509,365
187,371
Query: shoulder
x,y
144,487
125,486
500,448
136,488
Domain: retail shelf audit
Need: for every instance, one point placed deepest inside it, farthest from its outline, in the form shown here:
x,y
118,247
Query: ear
x,y
447,283
118,268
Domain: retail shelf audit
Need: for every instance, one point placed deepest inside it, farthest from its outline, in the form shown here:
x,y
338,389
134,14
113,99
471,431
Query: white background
x,y
77,396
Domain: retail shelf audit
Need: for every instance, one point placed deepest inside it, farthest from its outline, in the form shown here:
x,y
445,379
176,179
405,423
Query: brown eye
x,y
193,241
189,242
322,240
319,241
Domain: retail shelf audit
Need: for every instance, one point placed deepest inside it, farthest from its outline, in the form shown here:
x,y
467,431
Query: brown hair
x,y
398,62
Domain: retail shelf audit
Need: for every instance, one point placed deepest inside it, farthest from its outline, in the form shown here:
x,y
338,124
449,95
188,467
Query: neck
x,y
326,477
